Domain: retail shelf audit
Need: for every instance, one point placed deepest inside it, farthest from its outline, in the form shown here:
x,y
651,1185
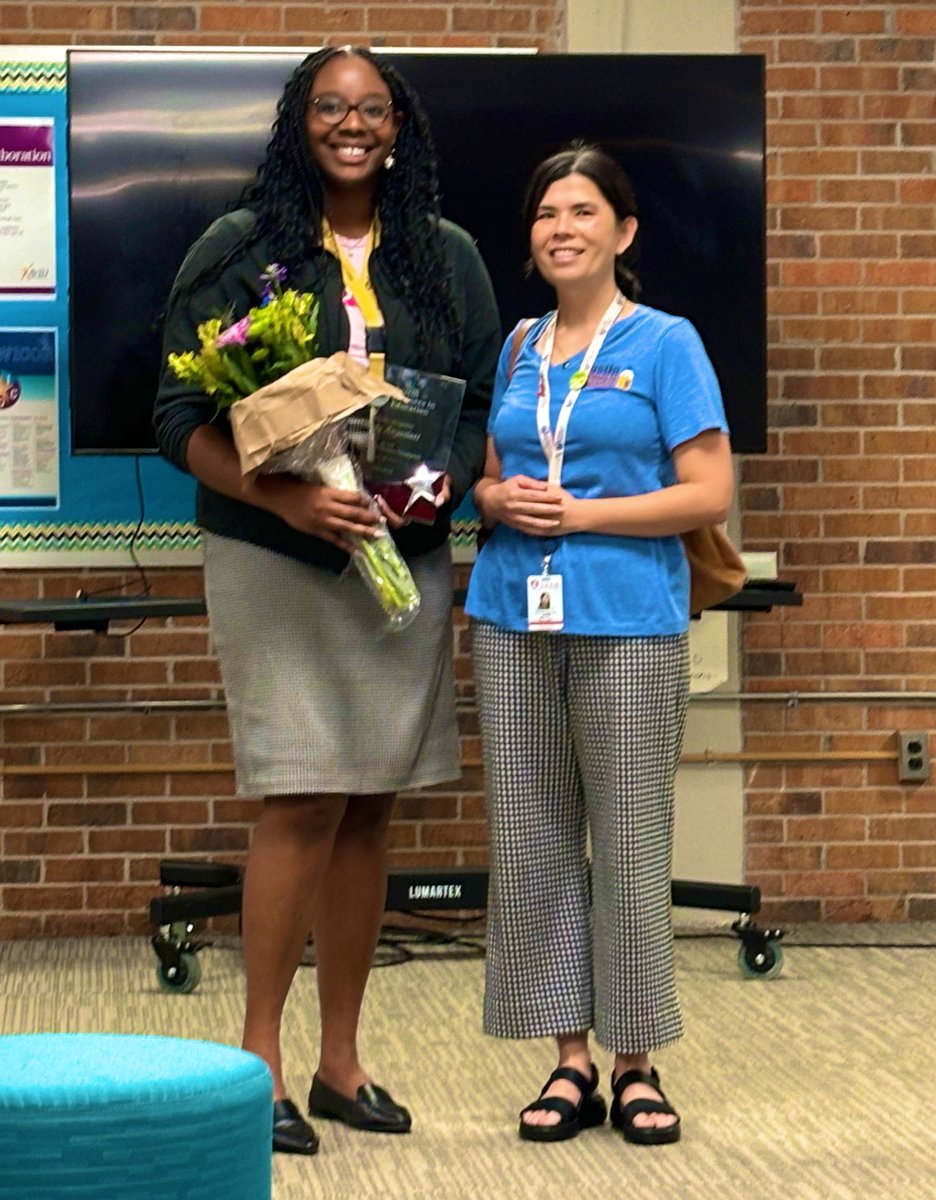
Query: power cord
x,y
142,582
397,945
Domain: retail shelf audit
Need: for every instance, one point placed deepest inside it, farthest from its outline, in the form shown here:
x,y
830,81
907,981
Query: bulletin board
x,y
58,509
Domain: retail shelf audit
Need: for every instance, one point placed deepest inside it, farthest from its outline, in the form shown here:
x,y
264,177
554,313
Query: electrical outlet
x,y
914,763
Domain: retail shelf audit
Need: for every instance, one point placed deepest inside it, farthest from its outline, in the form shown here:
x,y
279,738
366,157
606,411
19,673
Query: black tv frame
x,y
161,140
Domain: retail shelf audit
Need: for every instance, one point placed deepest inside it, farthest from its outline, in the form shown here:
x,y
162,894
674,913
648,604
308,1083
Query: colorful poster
x,y
27,207
29,429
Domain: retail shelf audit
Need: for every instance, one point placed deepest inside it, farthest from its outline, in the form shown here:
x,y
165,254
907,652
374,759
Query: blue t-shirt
x,y
652,387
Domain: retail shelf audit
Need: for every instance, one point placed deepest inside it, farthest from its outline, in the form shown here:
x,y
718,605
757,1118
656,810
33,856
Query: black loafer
x,y
292,1134
372,1108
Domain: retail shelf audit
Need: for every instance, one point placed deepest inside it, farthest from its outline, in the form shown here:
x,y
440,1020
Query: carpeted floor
x,y
814,1086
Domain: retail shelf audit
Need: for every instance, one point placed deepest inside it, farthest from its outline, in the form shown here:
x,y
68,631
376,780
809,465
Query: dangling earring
x,y
389,162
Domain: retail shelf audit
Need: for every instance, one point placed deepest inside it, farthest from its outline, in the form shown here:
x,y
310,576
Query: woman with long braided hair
x,y
328,719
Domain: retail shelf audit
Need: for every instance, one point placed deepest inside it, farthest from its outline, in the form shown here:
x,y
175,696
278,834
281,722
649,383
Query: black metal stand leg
x,y
216,890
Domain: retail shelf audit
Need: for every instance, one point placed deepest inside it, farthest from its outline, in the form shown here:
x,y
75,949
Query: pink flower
x,y
236,335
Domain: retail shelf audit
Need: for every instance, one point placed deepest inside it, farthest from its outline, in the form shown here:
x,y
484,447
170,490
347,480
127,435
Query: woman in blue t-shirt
x,y
607,439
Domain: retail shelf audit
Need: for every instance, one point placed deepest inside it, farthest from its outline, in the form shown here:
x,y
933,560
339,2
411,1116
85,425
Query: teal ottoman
x,y
88,1116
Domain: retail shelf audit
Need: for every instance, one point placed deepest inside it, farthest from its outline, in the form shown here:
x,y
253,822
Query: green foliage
x,y
236,360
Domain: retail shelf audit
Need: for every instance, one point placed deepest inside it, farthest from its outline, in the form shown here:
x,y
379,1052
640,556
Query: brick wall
x,y
79,851
847,491
537,23
846,494
92,799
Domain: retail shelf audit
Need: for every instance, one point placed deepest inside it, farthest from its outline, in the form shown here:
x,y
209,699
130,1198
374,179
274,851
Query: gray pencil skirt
x,y
321,699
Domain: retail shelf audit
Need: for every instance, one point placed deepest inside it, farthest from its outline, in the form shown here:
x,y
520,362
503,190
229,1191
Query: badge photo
x,y
544,602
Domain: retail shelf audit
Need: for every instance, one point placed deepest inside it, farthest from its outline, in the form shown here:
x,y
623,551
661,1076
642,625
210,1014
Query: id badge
x,y
544,603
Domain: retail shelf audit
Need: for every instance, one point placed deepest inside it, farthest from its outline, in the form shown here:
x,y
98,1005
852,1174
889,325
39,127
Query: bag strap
x,y
516,341
519,334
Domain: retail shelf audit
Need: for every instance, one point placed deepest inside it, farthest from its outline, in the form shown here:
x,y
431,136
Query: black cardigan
x,y
473,356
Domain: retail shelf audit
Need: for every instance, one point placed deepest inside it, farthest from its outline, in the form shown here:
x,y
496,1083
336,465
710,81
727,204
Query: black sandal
x,y
591,1109
622,1116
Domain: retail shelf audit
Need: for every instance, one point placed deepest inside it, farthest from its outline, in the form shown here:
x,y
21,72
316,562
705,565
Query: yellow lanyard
x,y
360,286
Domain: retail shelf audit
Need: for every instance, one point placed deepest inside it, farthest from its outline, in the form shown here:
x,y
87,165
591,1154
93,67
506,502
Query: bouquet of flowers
x,y
289,410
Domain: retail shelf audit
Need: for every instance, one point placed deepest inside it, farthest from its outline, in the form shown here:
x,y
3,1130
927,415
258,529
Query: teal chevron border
x,y
32,538
32,76
65,537
464,533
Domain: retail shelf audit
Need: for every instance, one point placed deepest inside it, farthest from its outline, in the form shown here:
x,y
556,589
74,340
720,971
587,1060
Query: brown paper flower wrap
x,y
295,407
287,410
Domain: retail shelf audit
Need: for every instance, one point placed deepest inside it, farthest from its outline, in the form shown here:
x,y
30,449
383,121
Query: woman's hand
x,y
528,505
328,513
569,510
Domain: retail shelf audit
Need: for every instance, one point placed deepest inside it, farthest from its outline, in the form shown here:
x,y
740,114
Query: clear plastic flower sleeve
x,y
323,456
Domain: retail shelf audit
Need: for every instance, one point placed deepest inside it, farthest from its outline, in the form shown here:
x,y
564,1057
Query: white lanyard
x,y
553,443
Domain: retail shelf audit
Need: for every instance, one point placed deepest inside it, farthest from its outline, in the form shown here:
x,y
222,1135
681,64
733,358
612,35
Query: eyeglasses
x,y
333,109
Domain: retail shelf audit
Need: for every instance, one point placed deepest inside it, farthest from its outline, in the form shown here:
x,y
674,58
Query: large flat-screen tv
x,y
162,141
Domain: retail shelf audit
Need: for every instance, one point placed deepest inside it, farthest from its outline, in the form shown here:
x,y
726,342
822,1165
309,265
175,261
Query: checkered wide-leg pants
x,y
581,733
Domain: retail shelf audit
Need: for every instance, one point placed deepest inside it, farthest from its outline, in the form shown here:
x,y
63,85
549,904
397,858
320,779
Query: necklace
x,y
567,355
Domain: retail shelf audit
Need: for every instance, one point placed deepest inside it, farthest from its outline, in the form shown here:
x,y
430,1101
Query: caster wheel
x,y
184,978
764,965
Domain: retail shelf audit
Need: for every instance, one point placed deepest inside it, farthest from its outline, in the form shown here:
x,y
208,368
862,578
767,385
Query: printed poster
x,y
29,428
27,208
